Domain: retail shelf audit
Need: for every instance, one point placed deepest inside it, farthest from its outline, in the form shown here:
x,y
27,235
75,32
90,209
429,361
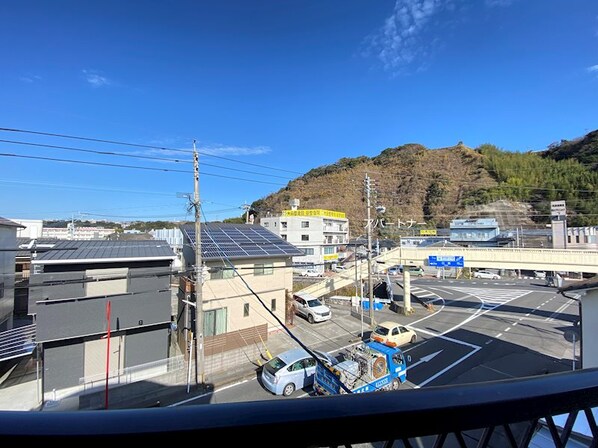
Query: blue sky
x,y
273,89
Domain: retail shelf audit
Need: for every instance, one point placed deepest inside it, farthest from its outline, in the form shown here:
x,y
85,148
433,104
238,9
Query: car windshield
x,y
274,365
313,303
381,330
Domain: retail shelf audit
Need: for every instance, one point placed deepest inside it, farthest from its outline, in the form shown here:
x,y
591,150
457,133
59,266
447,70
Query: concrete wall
x,y
589,328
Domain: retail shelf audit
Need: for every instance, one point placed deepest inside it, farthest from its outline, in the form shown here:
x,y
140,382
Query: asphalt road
x,y
476,330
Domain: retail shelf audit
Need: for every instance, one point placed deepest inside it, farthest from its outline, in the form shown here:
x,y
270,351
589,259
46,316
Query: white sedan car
x,y
486,274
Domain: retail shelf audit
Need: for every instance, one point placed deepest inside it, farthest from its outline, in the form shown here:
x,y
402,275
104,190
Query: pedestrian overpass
x,y
562,260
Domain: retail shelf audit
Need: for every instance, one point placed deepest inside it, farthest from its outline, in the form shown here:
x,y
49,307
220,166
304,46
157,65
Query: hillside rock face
x,y
412,182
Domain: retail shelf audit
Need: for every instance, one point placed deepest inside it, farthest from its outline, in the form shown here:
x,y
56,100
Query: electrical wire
x,y
288,331
118,154
117,165
113,142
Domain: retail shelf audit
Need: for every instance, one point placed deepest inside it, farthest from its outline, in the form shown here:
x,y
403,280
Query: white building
x,y
319,233
72,232
582,238
32,228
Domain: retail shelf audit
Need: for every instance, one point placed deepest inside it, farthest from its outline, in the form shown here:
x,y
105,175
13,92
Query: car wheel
x,y
288,389
396,384
310,319
413,339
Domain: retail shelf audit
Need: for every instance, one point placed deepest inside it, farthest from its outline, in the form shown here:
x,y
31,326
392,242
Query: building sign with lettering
x,y
428,232
315,212
558,208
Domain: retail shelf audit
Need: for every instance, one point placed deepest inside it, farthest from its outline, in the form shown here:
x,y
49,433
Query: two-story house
x,y
81,291
247,274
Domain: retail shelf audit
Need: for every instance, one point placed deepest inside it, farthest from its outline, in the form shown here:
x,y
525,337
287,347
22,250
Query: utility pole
x,y
246,207
368,188
199,346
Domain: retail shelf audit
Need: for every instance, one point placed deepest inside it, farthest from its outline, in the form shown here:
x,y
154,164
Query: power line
x,y
116,165
136,145
135,156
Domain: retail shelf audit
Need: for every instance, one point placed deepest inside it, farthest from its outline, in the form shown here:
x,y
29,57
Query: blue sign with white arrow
x,y
452,261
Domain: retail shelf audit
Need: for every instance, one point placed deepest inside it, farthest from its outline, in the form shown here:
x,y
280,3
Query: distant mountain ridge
x,y
434,186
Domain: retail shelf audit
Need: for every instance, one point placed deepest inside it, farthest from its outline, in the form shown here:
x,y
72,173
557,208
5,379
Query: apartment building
x,y
320,234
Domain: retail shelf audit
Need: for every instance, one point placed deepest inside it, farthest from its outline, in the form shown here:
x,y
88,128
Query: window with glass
x,y
309,250
273,304
328,250
304,237
215,322
284,236
283,224
263,269
245,309
219,273
304,224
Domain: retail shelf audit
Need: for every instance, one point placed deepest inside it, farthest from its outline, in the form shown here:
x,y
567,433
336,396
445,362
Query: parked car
x,y
394,270
486,274
339,268
540,274
419,272
311,308
310,273
393,334
291,370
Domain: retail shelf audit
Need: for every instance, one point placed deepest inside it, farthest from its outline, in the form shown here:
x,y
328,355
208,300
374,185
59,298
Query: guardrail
x,y
491,414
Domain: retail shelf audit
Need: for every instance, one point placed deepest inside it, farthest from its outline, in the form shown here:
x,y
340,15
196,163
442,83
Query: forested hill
x,y
584,150
436,185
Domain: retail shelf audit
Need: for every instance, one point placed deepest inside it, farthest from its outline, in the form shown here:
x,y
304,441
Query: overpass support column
x,y
407,308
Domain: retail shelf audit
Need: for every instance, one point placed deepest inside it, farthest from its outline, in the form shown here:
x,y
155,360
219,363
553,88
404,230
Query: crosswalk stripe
x,y
491,298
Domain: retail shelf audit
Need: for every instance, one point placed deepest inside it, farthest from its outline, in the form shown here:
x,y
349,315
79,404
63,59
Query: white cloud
x,y
492,3
224,150
96,80
397,43
593,69
30,78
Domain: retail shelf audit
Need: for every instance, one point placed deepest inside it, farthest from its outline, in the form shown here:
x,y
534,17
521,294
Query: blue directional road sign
x,y
451,261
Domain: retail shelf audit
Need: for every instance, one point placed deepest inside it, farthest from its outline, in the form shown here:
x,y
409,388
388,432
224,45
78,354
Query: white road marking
x,y
559,310
498,335
515,323
447,368
507,329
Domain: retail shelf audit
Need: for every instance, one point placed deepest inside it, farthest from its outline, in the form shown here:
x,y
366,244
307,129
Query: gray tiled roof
x,y
43,244
239,241
70,251
8,223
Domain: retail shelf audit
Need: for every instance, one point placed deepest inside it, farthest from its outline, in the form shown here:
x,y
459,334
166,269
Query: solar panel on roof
x,y
220,240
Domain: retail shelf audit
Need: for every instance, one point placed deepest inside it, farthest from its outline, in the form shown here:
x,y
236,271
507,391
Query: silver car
x,y
292,370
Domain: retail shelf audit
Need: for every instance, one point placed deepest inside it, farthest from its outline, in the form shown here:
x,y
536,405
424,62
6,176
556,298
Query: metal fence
x,y
507,413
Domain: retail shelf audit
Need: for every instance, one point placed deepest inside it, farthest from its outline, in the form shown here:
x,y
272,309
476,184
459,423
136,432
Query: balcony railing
x,y
493,414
